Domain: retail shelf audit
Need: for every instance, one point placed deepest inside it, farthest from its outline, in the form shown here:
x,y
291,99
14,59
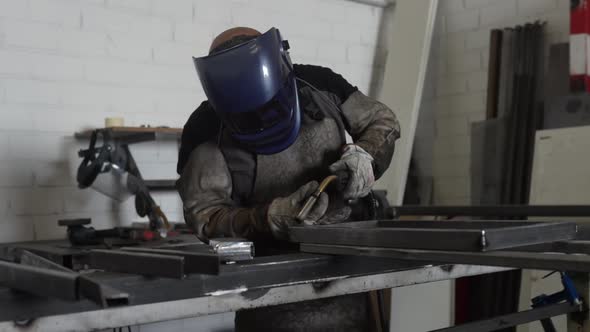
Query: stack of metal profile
x,y
64,271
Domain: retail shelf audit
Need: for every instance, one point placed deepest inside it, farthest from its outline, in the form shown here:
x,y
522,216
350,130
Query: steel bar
x,y
100,294
194,262
515,319
138,263
448,235
39,281
516,259
492,211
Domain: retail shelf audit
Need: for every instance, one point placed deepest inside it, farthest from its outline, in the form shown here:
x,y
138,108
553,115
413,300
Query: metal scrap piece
x,y
233,249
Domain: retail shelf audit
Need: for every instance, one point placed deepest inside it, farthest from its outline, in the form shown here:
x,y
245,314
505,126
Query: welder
x,y
256,150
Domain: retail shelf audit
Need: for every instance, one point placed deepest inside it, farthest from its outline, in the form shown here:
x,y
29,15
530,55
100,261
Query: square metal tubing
x,y
436,235
138,263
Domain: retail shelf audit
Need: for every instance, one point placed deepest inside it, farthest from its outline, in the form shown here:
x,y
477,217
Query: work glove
x,y
359,165
282,212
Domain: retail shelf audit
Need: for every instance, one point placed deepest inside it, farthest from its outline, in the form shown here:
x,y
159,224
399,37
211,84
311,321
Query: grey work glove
x,y
359,164
282,212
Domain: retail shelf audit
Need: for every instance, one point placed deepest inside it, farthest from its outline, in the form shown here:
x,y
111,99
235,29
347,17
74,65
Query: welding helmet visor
x,y
252,88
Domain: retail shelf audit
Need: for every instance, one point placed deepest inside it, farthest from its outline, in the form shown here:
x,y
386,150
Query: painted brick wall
x,y
456,95
65,65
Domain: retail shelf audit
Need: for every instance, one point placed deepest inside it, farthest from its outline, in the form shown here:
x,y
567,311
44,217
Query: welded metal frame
x,y
510,211
447,235
550,261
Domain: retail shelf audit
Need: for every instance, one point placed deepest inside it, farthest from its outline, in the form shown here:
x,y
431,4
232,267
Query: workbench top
x,y
264,281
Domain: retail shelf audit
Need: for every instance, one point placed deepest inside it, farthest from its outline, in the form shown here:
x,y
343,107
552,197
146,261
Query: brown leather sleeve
x,y
374,127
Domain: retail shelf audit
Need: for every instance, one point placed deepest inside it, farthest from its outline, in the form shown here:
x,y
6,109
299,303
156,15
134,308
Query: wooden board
x,y
119,131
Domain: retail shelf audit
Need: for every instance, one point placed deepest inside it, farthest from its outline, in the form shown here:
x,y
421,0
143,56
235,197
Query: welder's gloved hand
x,y
359,165
283,211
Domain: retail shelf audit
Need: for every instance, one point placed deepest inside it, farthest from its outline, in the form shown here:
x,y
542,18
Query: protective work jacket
x,y
226,190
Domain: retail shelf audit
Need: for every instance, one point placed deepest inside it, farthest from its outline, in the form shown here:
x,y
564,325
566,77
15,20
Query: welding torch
x,y
342,180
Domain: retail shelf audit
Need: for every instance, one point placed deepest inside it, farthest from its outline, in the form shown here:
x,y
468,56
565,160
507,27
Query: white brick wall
x,y
460,52
65,65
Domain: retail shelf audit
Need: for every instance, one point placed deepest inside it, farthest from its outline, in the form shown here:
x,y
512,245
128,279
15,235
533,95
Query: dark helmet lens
x,y
260,119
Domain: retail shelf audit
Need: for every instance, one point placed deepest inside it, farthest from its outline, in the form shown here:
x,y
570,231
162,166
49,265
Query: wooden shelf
x,y
160,185
129,131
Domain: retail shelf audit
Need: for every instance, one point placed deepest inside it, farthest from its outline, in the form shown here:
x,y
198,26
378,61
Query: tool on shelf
x,y
111,170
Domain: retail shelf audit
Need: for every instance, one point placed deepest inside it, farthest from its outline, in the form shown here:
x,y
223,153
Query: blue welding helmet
x,y
252,88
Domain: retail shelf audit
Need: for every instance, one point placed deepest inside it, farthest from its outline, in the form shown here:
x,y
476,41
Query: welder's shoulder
x,y
205,160
204,176
201,126
325,79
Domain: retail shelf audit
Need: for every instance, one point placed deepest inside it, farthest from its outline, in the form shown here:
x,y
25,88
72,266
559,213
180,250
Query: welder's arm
x,y
205,187
373,127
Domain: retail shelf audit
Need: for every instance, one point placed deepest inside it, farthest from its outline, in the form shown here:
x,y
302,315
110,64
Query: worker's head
x,y
249,81
232,37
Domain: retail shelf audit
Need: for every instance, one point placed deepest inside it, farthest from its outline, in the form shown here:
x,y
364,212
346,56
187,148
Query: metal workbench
x,y
273,280
263,282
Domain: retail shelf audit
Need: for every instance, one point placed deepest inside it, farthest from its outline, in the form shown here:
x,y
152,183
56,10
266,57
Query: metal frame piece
x,y
194,262
437,235
31,259
39,281
138,263
491,210
514,319
517,259
102,295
